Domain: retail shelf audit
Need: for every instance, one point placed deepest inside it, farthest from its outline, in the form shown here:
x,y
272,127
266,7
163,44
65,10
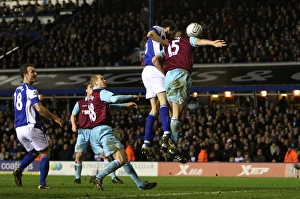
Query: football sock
x,y
112,174
78,168
167,134
165,118
175,128
149,129
147,143
110,167
132,174
44,169
28,158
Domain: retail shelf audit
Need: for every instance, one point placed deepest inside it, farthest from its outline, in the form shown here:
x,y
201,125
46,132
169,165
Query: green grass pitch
x,y
168,187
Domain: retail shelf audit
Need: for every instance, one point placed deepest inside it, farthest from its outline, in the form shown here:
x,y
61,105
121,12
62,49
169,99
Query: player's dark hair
x,y
86,85
179,33
23,69
169,23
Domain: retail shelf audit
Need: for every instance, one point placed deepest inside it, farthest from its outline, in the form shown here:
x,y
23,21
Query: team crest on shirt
x,y
78,147
91,97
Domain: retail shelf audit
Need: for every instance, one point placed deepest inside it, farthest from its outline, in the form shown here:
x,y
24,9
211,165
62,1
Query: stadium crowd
x,y
103,33
208,133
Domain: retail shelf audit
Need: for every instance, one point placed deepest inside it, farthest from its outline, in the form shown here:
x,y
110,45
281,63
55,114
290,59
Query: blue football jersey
x,y
152,47
25,97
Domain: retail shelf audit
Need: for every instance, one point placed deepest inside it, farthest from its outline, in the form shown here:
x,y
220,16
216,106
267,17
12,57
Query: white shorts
x,y
32,138
153,81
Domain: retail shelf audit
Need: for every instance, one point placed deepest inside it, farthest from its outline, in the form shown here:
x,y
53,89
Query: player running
x,y
102,136
80,122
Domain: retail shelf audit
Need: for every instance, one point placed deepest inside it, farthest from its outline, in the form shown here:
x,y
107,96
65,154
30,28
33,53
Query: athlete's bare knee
x,y
45,152
78,157
121,157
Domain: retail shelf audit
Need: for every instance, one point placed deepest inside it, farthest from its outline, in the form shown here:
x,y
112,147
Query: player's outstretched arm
x,y
131,104
216,43
123,98
219,43
123,105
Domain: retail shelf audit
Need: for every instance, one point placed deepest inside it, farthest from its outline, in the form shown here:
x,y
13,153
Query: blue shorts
x,y
83,140
178,83
104,140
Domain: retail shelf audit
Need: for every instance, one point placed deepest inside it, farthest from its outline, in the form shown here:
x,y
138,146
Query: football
x,y
194,30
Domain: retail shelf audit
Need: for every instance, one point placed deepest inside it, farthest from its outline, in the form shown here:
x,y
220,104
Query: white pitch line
x,y
180,194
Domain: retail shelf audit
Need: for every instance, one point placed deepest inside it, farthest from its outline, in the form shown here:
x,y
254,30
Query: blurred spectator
x,y
203,156
259,157
247,157
137,150
217,153
17,8
239,157
57,5
227,152
137,61
14,150
192,153
291,155
66,153
282,105
3,24
270,151
50,7
19,156
129,151
2,153
231,159
70,5
30,9
212,157
277,156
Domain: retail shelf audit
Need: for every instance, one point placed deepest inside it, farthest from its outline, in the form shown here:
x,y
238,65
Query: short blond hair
x,y
93,79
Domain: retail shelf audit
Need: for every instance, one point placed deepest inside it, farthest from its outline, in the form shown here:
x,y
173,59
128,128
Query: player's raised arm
x,y
154,36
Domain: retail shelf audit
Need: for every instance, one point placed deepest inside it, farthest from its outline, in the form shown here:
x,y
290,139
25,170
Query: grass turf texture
x,y
168,187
